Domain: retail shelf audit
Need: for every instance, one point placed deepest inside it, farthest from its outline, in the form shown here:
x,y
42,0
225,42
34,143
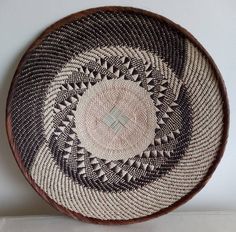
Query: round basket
x,y
117,115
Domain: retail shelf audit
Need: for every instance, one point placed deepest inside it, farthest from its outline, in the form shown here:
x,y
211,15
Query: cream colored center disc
x,y
116,119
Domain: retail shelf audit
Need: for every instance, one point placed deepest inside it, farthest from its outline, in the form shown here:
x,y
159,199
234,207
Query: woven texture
x,y
116,115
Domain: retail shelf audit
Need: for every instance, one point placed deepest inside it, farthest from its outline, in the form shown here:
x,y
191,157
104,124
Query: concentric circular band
x,y
117,115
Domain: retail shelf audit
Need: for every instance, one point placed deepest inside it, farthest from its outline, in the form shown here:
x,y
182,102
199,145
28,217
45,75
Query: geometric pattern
x,y
116,115
138,170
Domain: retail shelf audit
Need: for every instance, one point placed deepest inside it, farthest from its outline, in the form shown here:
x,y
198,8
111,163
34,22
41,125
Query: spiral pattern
x,y
116,114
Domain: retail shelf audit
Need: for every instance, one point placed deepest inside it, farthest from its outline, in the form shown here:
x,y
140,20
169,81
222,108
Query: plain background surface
x,y
173,222
212,22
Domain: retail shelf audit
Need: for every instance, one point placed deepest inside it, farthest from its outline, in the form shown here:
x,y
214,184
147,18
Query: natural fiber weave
x,y
117,115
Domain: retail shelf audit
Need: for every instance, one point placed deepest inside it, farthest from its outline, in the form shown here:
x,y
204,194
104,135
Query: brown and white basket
x,y
117,115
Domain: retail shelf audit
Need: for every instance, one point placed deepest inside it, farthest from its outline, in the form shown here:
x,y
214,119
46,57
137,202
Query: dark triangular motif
x,y
61,106
80,164
116,169
157,141
136,164
122,173
176,132
93,160
150,167
127,177
126,77
164,139
165,83
115,69
66,155
61,126
63,87
81,171
130,162
109,77
153,154
161,153
96,166
146,154
161,97
171,136
110,67
126,62
142,84
111,165
100,172
58,131
80,150
136,77
165,120
73,99
85,70
103,63
80,157
144,166
150,88
167,153
68,143
103,178
57,109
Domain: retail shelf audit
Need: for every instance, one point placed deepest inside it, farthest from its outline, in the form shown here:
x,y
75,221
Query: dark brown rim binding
x,y
184,199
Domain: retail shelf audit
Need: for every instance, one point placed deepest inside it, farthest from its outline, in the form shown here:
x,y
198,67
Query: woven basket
x,y
117,115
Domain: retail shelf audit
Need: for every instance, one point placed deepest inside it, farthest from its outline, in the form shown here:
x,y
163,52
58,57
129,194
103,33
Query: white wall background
x,y
212,22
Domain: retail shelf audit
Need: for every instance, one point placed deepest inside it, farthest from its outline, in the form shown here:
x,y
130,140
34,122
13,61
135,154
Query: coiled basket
x,y
117,115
